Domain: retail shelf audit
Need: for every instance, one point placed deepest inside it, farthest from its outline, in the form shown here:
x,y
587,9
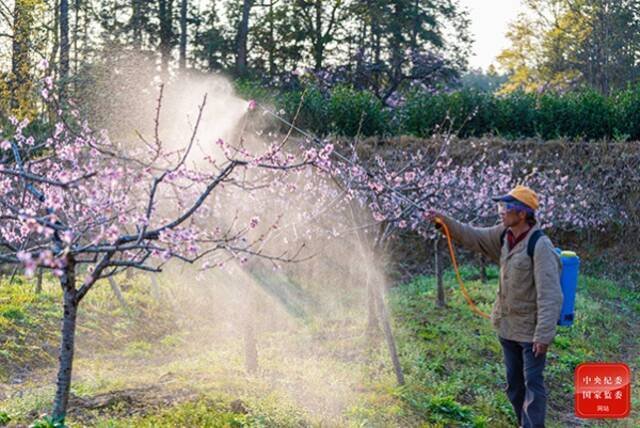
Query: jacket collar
x,y
524,243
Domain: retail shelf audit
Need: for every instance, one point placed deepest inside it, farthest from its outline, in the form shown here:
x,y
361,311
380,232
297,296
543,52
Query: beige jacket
x,y
529,296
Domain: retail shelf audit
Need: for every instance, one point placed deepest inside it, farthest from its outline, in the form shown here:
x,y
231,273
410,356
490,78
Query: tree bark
x,y
39,281
483,269
136,23
64,47
388,334
20,65
439,279
183,35
155,288
166,33
385,318
250,345
243,32
272,42
318,45
372,317
117,292
67,282
76,32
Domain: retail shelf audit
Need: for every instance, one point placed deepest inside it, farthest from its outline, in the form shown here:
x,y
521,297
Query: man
x,y
529,296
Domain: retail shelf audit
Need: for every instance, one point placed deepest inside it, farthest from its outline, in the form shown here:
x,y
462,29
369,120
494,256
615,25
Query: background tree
x,y
321,21
183,34
18,92
242,37
64,47
212,47
167,34
568,43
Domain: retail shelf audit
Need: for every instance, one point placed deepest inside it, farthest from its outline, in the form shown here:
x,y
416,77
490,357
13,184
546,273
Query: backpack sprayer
x,y
570,261
569,283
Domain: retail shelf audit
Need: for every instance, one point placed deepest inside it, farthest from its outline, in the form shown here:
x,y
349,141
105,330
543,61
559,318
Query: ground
x,y
143,366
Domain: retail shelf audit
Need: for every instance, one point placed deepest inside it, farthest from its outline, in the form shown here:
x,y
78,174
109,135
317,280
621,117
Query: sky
x,y
489,24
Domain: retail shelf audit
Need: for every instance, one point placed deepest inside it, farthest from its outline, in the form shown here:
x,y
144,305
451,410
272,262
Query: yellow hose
x,y
455,268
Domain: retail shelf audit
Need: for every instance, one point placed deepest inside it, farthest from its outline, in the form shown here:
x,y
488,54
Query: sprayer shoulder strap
x,y
531,245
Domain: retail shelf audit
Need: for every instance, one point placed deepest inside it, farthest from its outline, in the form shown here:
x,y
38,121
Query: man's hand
x,y
539,349
432,215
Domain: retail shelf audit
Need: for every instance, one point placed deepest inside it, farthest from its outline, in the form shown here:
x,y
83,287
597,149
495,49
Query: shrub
x,y
581,114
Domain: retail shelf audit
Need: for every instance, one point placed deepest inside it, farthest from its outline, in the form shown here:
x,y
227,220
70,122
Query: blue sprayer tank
x,y
569,283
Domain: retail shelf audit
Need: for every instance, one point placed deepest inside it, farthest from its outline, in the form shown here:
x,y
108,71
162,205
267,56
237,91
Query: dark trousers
x,y
525,383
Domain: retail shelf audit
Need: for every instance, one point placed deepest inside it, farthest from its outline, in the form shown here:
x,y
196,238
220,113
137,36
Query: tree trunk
x,y
483,269
388,335
39,281
64,47
318,44
183,34
155,288
136,23
67,281
272,42
438,267
416,25
250,345
166,32
243,32
372,319
20,66
117,292
76,36
397,49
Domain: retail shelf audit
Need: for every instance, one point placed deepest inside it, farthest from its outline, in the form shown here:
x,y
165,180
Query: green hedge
x,y
579,115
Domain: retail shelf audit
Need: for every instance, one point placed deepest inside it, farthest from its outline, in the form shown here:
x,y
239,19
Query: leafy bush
x,y
48,422
355,112
518,108
582,114
627,113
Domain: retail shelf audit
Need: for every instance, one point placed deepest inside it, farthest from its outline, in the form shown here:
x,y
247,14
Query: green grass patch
x,y
453,356
325,373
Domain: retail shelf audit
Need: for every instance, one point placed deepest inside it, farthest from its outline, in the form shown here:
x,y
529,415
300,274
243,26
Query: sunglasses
x,y
505,207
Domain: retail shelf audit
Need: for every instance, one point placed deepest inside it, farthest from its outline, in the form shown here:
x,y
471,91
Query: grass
x,y
141,367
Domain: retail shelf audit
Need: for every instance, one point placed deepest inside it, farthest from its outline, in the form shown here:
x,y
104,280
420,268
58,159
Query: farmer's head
x,y
518,206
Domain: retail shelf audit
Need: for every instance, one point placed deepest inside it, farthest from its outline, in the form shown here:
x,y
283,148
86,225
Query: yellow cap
x,y
522,194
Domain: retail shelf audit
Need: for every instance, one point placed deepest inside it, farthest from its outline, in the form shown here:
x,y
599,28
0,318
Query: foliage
x,y
575,115
560,45
209,413
48,422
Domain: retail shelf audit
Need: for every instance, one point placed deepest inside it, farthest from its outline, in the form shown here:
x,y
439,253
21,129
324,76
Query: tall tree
x,y
405,40
277,43
136,23
566,43
183,34
20,86
212,50
165,16
242,36
64,46
321,20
